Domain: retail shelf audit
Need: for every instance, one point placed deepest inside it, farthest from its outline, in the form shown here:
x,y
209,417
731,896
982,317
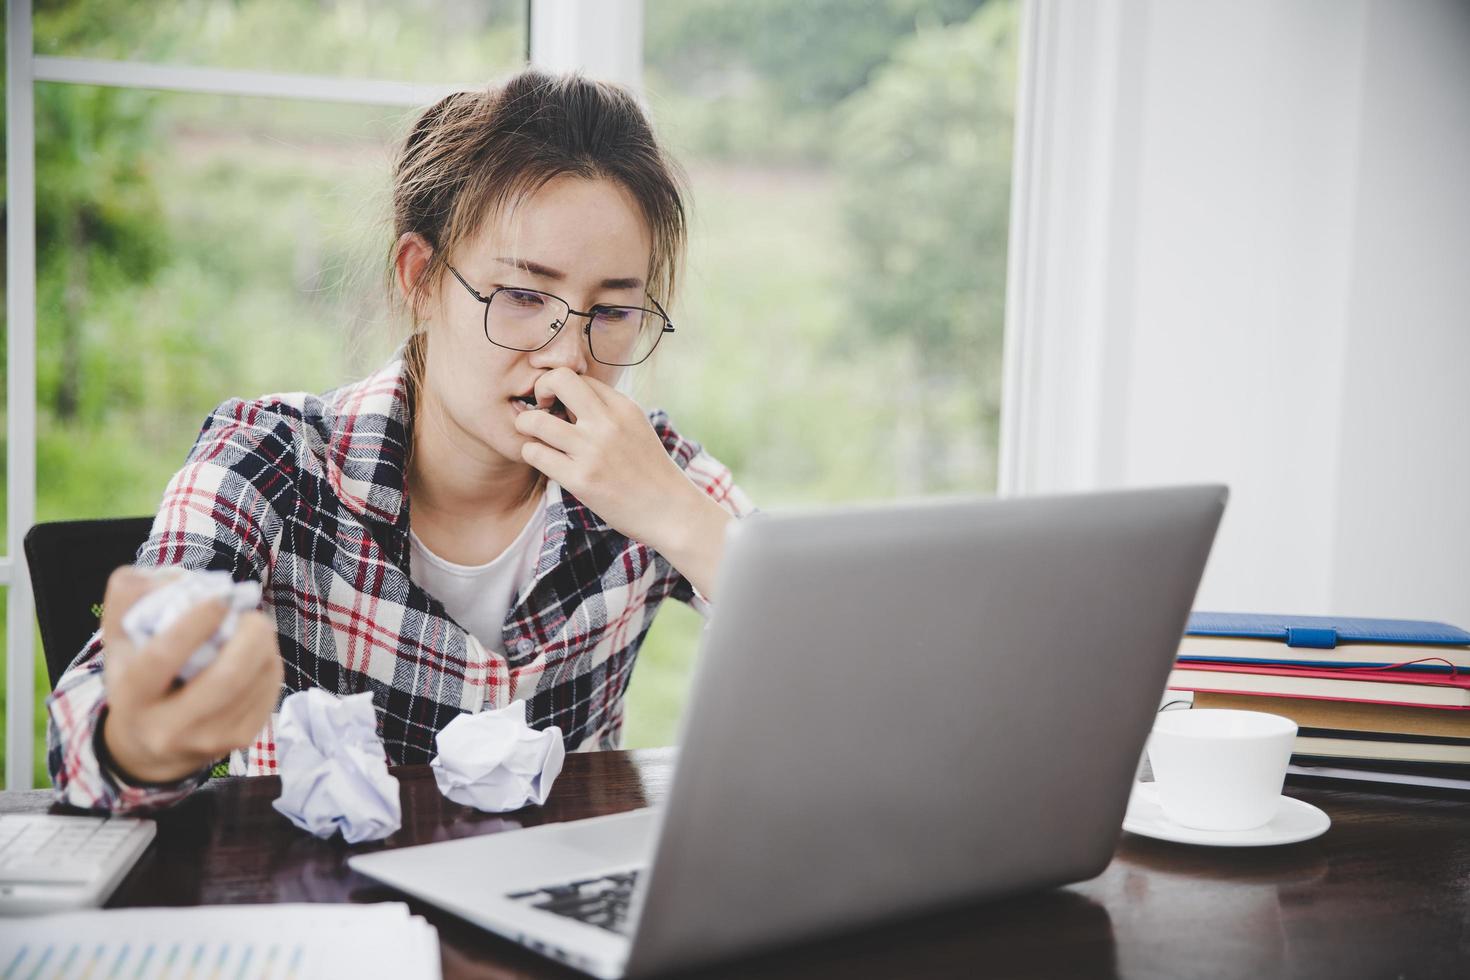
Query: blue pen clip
x,y
1314,638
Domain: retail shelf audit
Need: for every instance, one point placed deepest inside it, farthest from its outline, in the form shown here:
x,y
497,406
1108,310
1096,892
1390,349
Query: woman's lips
x,y
519,405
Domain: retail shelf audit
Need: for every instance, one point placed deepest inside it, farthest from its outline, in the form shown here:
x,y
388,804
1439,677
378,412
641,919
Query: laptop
x,y
895,709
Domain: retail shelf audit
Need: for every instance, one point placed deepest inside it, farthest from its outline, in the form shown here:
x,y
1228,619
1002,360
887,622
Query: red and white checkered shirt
x,y
306,494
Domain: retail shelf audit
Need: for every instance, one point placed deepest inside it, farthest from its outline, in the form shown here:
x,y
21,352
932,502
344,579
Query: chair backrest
x,y
70,562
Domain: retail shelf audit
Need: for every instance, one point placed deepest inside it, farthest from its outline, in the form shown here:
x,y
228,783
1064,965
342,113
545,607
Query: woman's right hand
x,y
158,733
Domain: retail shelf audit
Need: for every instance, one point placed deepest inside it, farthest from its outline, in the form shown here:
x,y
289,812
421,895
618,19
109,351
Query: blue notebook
x,y
1325,641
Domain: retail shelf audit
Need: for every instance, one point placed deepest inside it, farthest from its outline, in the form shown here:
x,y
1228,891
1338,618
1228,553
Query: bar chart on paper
x,y
222,942
169,958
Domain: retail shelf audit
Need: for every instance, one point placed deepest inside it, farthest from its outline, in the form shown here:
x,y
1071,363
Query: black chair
x,y
70,562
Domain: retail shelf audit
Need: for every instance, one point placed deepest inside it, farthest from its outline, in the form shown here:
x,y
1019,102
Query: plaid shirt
x,y
306,494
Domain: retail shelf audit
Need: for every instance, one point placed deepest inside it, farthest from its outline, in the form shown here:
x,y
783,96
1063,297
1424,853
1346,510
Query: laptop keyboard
x,y
601,902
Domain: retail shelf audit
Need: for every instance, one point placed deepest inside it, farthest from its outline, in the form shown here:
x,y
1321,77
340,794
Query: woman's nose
x,y
567,349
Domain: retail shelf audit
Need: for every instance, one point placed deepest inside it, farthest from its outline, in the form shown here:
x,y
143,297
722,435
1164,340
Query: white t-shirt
x,y
477,597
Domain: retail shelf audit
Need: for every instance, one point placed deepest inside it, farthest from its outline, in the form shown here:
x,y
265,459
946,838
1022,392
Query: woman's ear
x,y
410,258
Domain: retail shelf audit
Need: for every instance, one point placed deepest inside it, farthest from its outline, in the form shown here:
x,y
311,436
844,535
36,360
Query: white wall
x,y
1403,471
1284,298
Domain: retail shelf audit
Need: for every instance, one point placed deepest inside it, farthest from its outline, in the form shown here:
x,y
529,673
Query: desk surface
x,y
1385,892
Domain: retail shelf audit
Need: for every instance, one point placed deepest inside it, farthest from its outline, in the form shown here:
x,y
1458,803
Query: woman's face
x,y
582,240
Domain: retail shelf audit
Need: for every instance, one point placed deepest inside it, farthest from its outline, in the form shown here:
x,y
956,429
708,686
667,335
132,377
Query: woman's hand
x,y
157,733
611,459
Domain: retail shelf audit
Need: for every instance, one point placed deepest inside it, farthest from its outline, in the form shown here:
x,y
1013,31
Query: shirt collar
x,y
368,450
368,443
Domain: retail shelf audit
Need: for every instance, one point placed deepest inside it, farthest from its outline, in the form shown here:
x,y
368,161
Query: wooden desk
x,y
1385,892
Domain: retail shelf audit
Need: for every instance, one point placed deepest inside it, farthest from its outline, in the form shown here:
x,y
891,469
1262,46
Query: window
x,y
184,242
839,330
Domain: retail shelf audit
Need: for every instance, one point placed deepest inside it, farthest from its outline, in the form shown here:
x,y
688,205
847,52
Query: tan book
x,y
1384,751
1352,716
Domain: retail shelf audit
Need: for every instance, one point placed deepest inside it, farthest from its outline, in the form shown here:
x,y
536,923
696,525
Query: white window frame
x,y
605,40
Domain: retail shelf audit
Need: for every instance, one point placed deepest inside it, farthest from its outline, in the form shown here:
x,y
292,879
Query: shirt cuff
x,y
131,794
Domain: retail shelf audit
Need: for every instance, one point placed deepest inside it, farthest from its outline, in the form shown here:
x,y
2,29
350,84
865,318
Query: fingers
x,y
253,708
156,665
239,723
610,396
125,586
571,388
226,704
254,712
617,405
250,653
551,430
175,645
552,462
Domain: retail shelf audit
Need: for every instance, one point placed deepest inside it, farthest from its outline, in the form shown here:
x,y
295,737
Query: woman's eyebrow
x,y
546,272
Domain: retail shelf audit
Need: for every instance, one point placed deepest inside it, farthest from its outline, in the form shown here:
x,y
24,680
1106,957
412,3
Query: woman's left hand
x,y
609,457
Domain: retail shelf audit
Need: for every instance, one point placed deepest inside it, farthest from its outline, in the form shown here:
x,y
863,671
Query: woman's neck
x,y
456,481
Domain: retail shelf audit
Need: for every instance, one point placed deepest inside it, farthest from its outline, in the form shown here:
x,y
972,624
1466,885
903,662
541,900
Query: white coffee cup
x,y
1220,769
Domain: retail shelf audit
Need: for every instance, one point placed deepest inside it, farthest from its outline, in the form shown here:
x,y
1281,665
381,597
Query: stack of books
x,y
1375,700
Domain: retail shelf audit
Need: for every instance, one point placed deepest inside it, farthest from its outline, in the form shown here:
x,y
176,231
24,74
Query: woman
x,y
485,519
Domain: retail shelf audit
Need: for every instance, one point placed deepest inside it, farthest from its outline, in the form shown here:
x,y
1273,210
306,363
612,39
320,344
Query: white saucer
x,y
1294,821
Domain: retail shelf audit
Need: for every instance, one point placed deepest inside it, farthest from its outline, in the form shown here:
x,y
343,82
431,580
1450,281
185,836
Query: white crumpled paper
x,y
333,772
494,761
159,609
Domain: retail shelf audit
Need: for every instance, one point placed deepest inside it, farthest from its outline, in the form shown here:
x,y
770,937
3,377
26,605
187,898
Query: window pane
x,y
193,248
840,330
41,687
423,41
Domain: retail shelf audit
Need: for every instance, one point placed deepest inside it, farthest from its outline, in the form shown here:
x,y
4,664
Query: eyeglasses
x,y
528,319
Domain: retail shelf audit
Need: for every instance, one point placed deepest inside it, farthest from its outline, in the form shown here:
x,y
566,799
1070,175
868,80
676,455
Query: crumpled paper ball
x,y
159,609
334,775
494,761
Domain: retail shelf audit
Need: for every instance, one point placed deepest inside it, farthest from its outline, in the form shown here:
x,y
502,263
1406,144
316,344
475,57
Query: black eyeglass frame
x,y
589,314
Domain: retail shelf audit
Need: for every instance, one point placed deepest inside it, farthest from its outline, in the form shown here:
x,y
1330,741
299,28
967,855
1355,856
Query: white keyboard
x,y
50,862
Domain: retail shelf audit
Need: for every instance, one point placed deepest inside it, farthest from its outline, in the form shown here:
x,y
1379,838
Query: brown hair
x,y
476,154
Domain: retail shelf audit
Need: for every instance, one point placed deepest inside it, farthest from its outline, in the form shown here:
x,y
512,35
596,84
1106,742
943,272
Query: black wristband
x,y
111,770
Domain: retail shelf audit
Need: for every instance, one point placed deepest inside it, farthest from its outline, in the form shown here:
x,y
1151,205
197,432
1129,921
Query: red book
x,y
1418,688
